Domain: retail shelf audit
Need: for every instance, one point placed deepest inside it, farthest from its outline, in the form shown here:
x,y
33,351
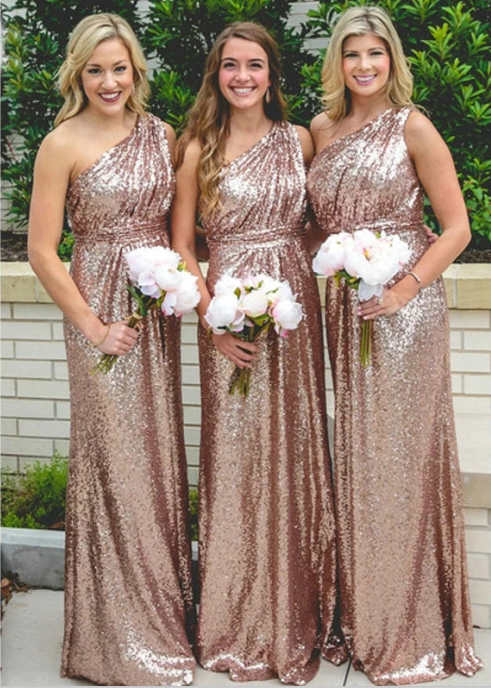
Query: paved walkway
x,y
31,647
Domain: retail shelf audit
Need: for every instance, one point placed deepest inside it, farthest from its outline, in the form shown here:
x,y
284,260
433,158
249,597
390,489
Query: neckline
x,y
357,131
254,145
108,150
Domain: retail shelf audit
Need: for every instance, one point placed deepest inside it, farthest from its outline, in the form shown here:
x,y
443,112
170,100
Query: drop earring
x,y
267,96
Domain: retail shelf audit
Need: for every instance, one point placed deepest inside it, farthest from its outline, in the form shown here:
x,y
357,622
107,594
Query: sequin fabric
x,y
403,579
267,538
128,595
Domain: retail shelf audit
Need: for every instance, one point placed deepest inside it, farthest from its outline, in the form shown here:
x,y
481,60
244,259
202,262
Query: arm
x,y
312,231
183,232
54,164
171,138
183,222
436,171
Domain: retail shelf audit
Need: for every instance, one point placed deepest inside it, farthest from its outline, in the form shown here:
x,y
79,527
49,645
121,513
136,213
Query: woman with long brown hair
x,y
267,540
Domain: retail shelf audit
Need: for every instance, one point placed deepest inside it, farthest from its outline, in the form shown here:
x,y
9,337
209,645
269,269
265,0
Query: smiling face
x,y
366,64
243,76
107,78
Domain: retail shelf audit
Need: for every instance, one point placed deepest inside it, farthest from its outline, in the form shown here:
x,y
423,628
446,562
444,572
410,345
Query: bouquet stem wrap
x,y
145,304
366,342
241,378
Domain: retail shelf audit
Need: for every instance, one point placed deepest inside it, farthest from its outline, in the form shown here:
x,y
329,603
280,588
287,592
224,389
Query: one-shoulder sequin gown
x,y
128,609
267,540
404,593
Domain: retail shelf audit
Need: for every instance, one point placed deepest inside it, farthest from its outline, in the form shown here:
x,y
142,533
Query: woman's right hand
x,y
239,352
119,340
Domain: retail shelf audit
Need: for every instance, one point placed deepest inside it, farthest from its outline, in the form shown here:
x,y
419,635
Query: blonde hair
x,y
358,21
209,118
84,39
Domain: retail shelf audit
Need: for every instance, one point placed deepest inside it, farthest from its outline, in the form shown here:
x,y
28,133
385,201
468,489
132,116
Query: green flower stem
x,y
366,342
145,304
241,378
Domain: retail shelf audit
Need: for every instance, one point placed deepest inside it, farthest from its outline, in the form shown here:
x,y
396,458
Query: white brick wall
x,y
36,393
470,339
478,537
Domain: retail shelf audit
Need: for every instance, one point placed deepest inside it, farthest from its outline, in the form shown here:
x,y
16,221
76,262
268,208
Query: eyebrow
x,y
96,64
252,59
374,47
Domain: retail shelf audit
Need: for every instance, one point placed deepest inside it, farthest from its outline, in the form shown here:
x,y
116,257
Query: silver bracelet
x,y
418,279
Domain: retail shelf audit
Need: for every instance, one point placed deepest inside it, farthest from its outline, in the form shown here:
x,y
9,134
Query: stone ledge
x,y
468,285
38,556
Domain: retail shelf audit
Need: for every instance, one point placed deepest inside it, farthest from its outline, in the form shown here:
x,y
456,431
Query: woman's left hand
x,y
388,303
432,237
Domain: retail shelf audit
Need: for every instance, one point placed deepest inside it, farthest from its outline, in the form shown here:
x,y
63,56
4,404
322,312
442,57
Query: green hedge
x,y
36,498
449,46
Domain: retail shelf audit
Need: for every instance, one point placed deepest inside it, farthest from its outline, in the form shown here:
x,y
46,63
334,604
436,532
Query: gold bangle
x,y
413,274
96,344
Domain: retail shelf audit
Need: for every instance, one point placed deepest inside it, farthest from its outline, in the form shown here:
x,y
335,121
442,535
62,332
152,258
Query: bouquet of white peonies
x,y
366,261
247,308
158,279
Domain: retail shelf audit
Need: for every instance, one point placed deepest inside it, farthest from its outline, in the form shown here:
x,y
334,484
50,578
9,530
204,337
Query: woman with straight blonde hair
x,y
128,599
267,540
405,610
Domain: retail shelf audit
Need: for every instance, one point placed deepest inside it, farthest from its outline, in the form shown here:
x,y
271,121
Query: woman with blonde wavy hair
x,y
128,597
405,610
267,540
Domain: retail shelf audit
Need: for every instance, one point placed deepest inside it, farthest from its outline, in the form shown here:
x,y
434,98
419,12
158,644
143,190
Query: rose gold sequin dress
x,y
267,556
128,586
404,594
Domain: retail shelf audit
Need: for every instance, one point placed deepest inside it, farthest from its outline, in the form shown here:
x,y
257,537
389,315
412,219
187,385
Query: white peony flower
x,y
170,300
287,316
146,259
147,284
254,304
187,294
227,284
331,256
264,283
224,311
166,277
375,260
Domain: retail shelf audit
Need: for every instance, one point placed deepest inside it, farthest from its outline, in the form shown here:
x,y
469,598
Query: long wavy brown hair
x,y
84,39
209,118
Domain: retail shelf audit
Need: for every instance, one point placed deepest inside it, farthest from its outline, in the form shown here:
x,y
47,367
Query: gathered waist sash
x,y
383,225
266,237
123,235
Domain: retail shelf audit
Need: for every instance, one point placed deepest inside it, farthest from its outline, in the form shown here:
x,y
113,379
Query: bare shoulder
x,y
321,122
189,160
169,129
58,148
306,142
192,152
420,130
170,133
303,133
323,130
60,139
